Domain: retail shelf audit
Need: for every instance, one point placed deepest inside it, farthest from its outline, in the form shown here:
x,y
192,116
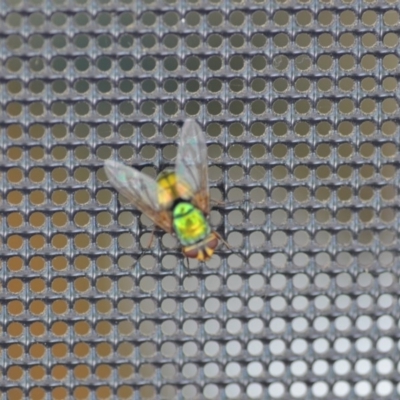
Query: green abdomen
x,y
189,223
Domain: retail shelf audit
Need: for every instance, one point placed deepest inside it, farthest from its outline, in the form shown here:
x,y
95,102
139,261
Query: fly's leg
x,y
224,203
151,237
222,240
187,266
220,203
190,272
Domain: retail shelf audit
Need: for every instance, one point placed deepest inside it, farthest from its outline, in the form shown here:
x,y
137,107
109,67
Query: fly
x,y
178,201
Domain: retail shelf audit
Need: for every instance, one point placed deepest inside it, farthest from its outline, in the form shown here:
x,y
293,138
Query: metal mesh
x,y
299,101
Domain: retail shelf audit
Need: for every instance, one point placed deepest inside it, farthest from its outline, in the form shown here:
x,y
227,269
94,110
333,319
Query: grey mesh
x,y
299,102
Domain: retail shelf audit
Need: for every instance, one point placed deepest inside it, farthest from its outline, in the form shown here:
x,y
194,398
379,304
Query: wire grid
x,y
299,102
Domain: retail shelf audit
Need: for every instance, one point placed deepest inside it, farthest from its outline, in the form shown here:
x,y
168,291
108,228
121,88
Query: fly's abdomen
x,y
170,189
167,193
189,224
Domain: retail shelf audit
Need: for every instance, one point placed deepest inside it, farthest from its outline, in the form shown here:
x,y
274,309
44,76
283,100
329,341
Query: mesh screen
x,y
299,102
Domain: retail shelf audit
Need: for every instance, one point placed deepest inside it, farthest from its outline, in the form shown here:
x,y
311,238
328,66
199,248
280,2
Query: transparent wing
x,y
191,163
141,190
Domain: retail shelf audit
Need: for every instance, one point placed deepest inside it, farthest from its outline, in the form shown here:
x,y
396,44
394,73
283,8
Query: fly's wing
x,y
141,190
191,164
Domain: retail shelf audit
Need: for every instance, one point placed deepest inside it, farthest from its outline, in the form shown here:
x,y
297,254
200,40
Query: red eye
x,y
190,252
212,243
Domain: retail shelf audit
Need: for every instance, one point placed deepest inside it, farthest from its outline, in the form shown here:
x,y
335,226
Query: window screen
x,y
299,102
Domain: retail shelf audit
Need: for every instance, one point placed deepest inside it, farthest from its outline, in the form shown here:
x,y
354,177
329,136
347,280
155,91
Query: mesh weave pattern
x,y
299,102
